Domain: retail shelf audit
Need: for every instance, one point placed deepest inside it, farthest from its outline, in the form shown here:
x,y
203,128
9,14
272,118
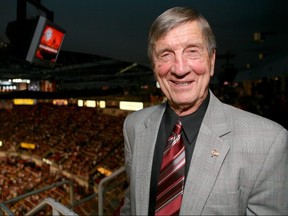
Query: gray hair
x,y
173,18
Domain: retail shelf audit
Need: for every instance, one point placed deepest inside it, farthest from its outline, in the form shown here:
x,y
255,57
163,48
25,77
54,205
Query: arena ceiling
x,y
106,41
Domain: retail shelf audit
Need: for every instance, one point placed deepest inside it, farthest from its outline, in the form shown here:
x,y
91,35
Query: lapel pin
x,y
214,153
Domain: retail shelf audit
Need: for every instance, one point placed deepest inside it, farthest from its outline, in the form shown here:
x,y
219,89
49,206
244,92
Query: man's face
x,y
183,68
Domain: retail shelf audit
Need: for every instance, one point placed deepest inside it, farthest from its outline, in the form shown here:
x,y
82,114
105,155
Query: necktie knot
x,y
178,127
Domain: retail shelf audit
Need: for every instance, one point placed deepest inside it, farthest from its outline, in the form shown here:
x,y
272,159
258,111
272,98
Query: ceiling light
x,y
261,56
258,37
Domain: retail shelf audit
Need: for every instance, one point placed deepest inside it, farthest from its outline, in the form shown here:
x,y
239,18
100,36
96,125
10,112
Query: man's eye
x,y
193,53
166,57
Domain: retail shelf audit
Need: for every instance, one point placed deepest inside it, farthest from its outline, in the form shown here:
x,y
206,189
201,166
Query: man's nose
x,y
180,66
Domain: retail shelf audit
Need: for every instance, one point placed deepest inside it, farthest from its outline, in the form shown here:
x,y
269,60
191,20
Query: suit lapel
x,y
144,159
207,158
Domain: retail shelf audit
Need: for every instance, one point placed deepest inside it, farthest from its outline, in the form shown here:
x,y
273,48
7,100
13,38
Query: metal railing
x,y
57,207
100,188
6,210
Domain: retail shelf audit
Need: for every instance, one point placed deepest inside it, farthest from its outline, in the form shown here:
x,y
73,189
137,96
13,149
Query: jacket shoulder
x,y
143,114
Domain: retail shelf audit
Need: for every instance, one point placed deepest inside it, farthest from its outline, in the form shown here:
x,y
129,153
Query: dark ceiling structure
x,y
251,36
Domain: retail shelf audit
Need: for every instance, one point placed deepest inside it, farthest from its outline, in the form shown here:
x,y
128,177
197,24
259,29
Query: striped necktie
x,y
172,175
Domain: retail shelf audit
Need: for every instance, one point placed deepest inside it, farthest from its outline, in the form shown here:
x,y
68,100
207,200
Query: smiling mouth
x,y
182,83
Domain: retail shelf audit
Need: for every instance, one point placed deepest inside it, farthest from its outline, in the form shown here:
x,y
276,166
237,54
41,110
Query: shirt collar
x,y
191,123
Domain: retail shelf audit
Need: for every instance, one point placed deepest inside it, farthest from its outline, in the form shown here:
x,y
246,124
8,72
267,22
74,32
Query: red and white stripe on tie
x,y
172,175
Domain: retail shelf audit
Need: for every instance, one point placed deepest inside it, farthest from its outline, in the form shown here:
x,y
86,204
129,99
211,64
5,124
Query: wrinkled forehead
x,y
185,33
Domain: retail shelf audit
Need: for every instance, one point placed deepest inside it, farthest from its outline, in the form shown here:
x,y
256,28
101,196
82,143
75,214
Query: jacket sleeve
x,y
269,196
126,207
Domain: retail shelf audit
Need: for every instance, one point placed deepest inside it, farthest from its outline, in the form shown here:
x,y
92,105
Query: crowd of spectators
x,y
77,140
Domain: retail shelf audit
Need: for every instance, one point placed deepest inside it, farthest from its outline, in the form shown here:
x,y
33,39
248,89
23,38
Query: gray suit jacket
x,y
248,176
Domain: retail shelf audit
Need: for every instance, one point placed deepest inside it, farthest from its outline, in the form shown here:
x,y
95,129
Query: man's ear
x,y
212,62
